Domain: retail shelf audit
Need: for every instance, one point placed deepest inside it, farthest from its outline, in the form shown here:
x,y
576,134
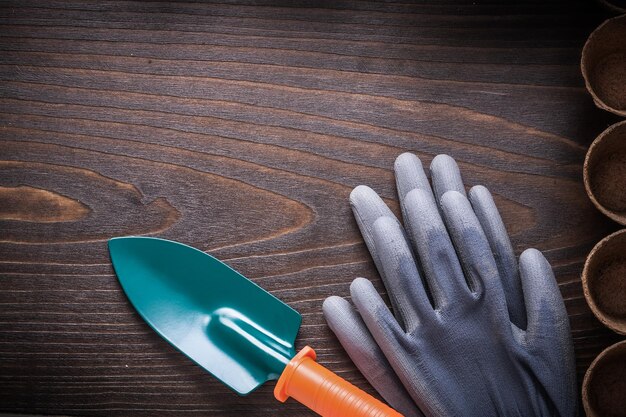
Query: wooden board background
x,y
241,129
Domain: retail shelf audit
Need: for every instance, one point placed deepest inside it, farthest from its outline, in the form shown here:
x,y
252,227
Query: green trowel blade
x,y
227,324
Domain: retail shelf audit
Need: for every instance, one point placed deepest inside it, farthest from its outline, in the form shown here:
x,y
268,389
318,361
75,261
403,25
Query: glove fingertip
x,y
446,175
532,255
407,162
479,192
442,158
444,165
334,305
535,270
453,199
360,194
338,313
406,157
358,284
544,303
366,298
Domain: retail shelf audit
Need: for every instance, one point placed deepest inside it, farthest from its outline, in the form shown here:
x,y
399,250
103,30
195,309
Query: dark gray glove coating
x,y
474,333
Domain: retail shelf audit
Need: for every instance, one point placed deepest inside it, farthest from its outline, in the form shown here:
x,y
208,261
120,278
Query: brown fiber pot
x,y
603,65
604,281
604,386
604,172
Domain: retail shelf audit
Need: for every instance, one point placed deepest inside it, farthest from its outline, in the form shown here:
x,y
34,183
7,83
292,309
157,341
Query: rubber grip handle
x,y
322,391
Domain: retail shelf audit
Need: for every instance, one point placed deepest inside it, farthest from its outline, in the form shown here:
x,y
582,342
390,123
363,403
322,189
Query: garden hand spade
x,y
231,327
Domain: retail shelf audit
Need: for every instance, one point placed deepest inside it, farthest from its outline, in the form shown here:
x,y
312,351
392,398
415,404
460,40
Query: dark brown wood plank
x,y
240,128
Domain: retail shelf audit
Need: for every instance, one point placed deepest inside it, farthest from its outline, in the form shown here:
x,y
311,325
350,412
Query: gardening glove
x,y
474,332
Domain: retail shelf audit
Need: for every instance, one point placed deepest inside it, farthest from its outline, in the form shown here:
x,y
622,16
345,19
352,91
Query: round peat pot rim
x,y
592,57
618,349
609,5
589,274
603,140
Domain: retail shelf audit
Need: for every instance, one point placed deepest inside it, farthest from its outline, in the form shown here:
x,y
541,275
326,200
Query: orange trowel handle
x,y
324,392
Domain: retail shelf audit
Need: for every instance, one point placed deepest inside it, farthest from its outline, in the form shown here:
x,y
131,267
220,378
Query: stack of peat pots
x,y
603,66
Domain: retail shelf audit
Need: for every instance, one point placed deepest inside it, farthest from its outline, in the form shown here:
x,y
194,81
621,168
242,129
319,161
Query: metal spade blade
x,y
227,324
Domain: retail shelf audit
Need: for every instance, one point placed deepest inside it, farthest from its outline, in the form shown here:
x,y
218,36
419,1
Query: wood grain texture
x,y
240,128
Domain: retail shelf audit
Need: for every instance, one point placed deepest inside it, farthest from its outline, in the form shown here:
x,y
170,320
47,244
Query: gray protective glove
x,y
474,333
